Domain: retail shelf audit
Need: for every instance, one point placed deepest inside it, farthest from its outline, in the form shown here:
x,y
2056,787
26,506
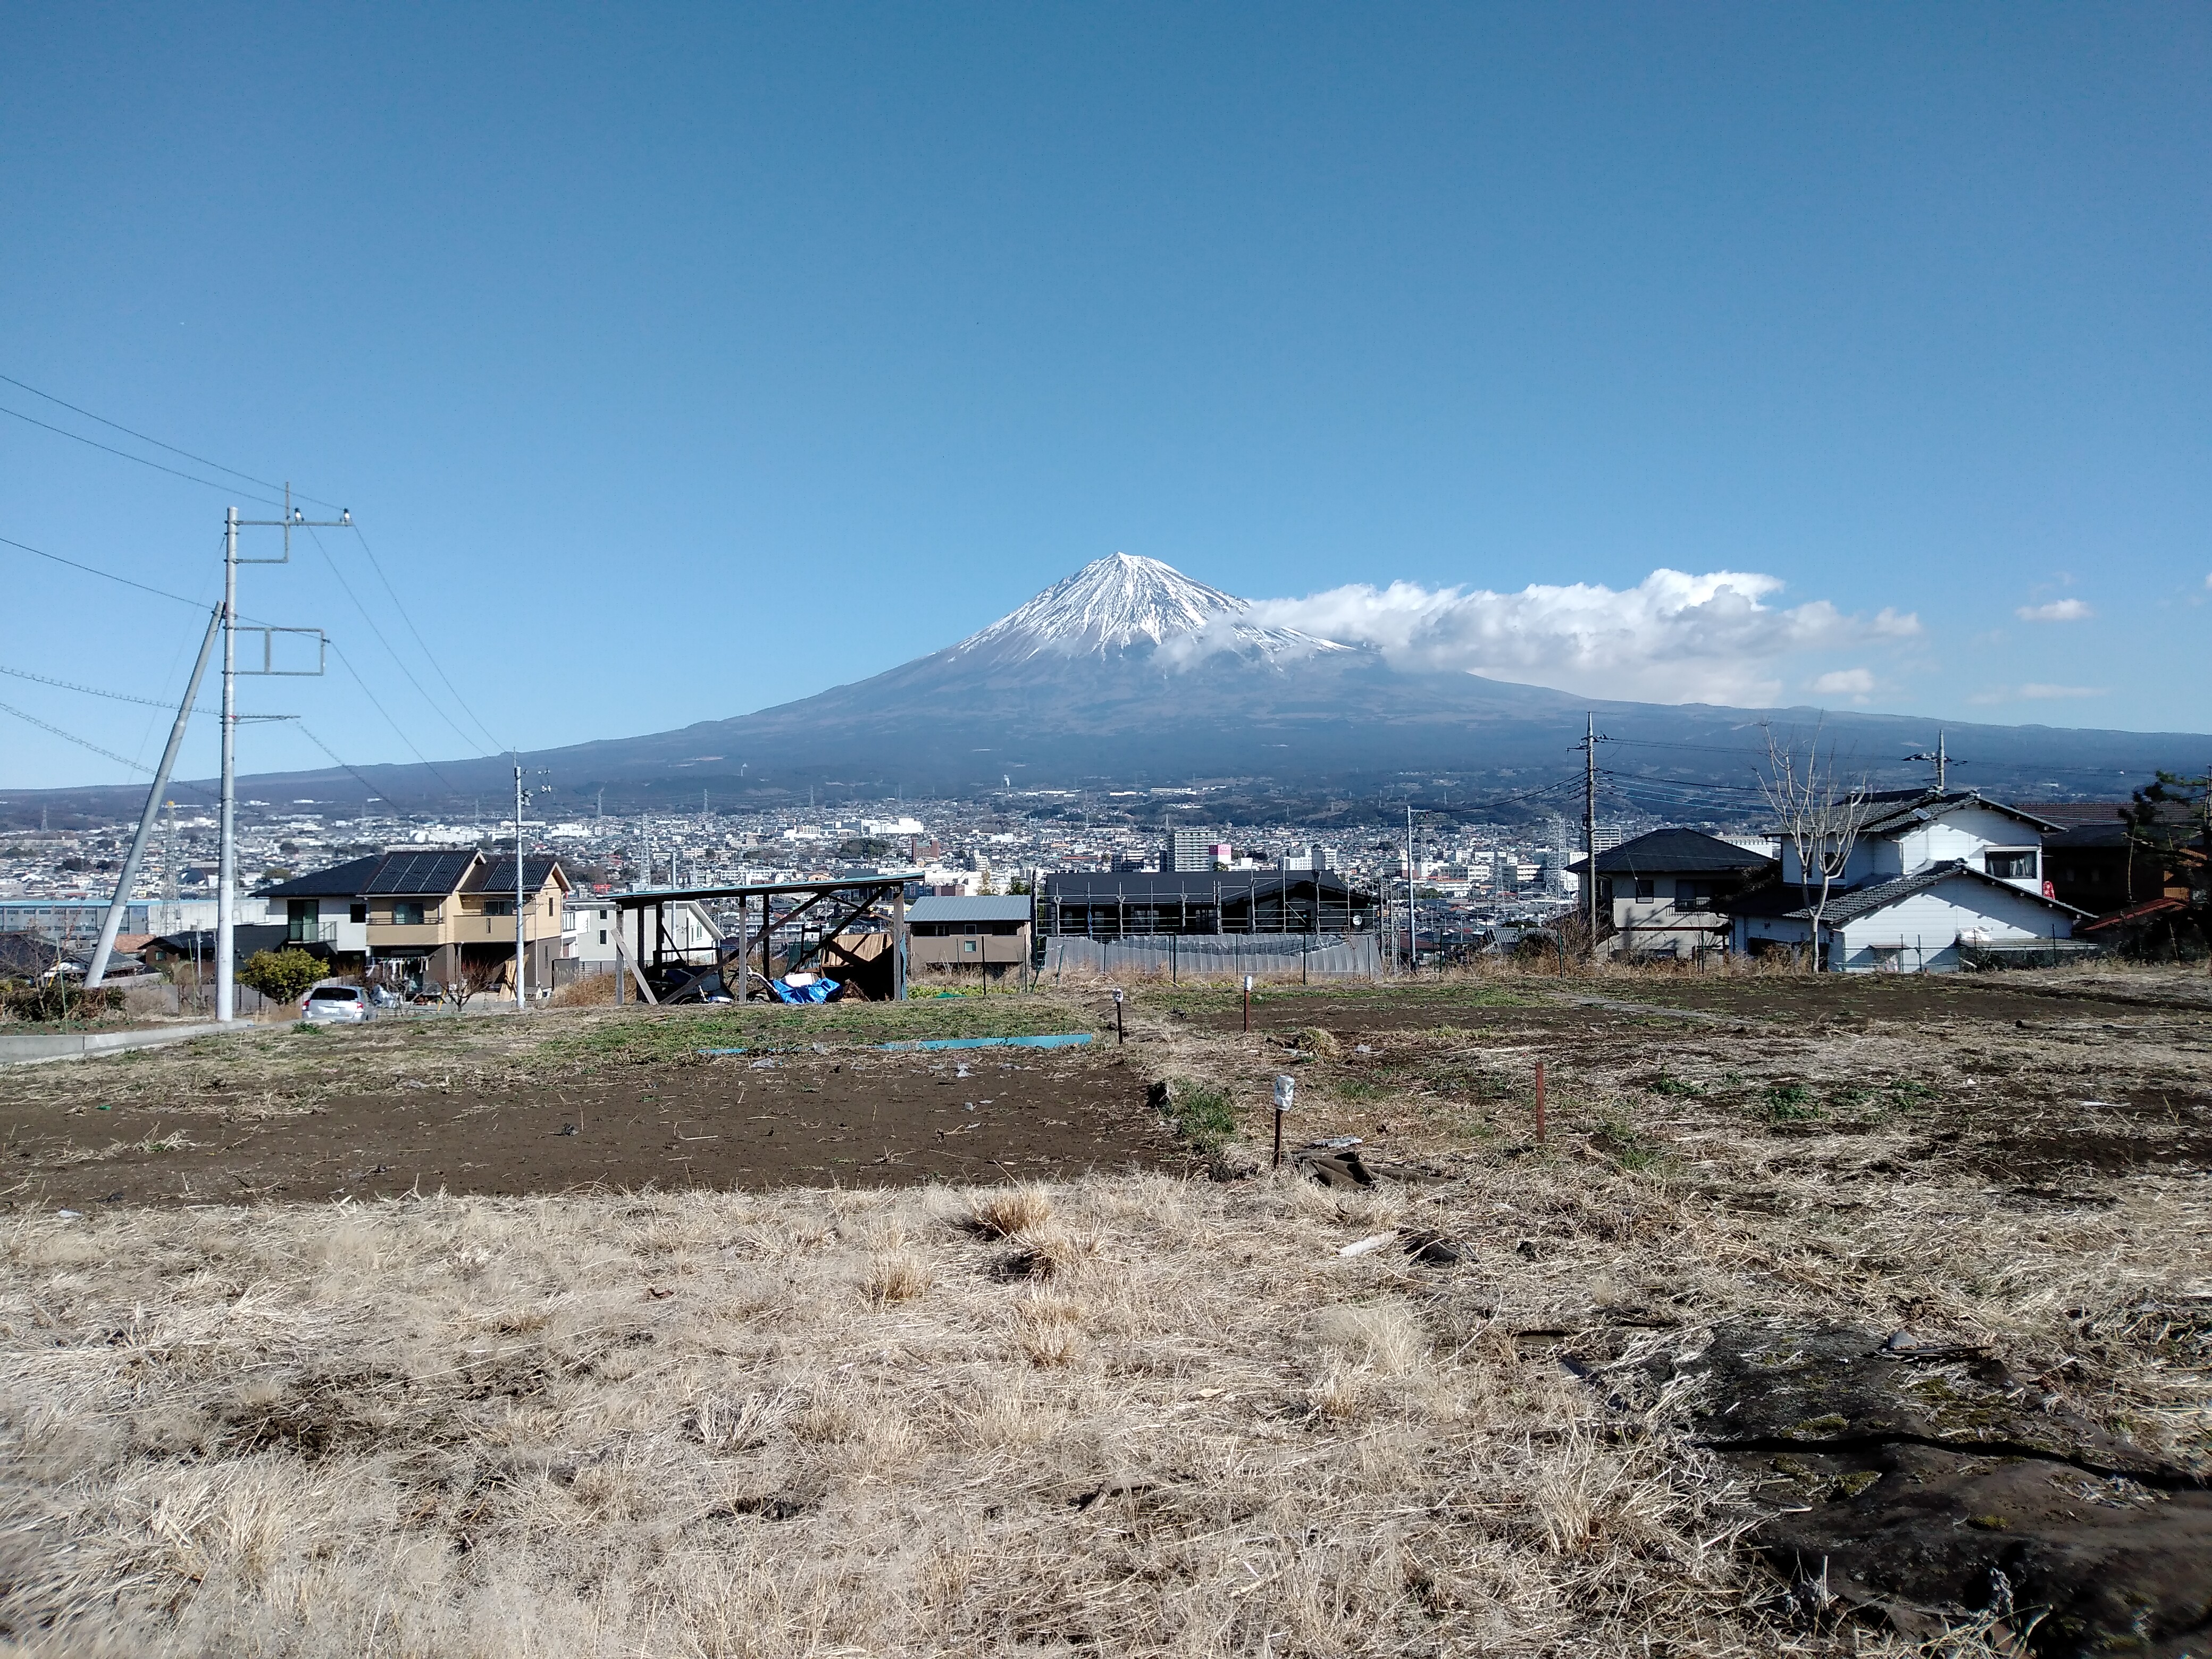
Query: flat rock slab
x,y
1922,1485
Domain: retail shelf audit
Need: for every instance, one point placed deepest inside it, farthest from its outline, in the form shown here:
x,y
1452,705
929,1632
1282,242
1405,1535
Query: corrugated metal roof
x,y
1158,886
979,909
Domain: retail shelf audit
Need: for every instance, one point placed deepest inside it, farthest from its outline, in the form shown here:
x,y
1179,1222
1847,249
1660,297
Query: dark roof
x,y
24,956
1664,852
411,873
2090,834
982,908
2070,813
340,881
1849,903
1899,809
1164,887
245,939
497,875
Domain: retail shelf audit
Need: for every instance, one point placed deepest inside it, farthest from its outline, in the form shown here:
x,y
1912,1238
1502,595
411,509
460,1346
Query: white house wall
x,y
1964,833
1924,927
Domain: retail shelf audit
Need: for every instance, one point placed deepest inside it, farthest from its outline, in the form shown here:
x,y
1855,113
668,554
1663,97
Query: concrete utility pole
x,y
226,901
113,921
1942,760
1412,915
521,899
1590,741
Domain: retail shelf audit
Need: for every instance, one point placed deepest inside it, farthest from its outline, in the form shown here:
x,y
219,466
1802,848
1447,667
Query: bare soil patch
x,y
855,1119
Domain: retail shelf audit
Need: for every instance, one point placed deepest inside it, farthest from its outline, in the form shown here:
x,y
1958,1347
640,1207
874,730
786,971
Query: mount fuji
x,y
1130,674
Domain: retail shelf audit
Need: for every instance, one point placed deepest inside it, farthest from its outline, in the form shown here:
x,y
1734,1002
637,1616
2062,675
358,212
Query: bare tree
x,y
1819,813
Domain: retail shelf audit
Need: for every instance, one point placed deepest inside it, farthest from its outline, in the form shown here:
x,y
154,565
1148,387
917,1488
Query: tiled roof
x,y
1664,852
1849,903
982,907
1897,810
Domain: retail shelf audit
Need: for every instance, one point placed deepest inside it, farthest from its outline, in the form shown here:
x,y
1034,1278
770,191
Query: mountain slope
x,y
1129,673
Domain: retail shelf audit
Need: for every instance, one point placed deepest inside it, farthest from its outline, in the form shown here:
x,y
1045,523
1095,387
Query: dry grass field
x,y
1133,1410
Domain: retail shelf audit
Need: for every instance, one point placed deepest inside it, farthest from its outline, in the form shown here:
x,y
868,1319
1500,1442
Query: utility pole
x,y
225,900
129,874
1942,760
1412,915
1590,741
521,897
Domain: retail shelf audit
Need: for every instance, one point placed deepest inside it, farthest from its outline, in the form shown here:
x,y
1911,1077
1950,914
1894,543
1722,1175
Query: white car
x,y
336,1004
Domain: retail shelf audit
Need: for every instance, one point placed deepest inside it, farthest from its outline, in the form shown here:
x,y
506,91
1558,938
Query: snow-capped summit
x,y
1121,603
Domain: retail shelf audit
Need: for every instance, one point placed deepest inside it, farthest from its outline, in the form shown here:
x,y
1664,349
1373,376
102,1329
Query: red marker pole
x,y
1540,1102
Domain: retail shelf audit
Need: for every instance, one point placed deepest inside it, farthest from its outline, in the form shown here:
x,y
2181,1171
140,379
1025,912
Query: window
x,y
2011,866
407,913
498,907
967,945
357,912
1690,896
603,936
1646,887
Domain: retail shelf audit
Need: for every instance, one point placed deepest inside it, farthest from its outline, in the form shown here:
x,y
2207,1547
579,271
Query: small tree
x,y
281,976
1818,813
2160,822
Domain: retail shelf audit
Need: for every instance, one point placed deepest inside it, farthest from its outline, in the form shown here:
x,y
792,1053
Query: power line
x,y
388,720
119,426
387,644
429,656
374,792
228,490
93,690
93,570
71,736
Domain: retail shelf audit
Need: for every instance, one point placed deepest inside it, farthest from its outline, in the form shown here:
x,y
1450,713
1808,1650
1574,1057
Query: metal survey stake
x,y
1120,1033
1248,1014
1286,1088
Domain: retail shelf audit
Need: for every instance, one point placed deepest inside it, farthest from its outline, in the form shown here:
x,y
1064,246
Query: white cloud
x,y
1671,638
1855,683
2038,692
2057,610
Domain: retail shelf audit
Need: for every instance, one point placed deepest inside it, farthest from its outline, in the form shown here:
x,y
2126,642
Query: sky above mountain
x,y
688,361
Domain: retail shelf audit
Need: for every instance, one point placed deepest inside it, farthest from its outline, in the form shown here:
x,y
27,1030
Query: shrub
x,y
281,976
61,1000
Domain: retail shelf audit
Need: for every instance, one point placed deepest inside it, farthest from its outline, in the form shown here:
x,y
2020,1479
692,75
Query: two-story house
x,y
1929,877
439,918
1663,891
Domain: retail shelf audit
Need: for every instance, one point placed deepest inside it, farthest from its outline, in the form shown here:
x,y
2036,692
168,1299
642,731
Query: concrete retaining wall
x,y
78,1045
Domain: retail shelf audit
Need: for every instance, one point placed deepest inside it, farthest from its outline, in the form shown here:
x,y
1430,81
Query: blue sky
x,y
678,362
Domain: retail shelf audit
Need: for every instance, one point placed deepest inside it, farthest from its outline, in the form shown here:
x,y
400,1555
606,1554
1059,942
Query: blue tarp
x,y
820,991
1066,1040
